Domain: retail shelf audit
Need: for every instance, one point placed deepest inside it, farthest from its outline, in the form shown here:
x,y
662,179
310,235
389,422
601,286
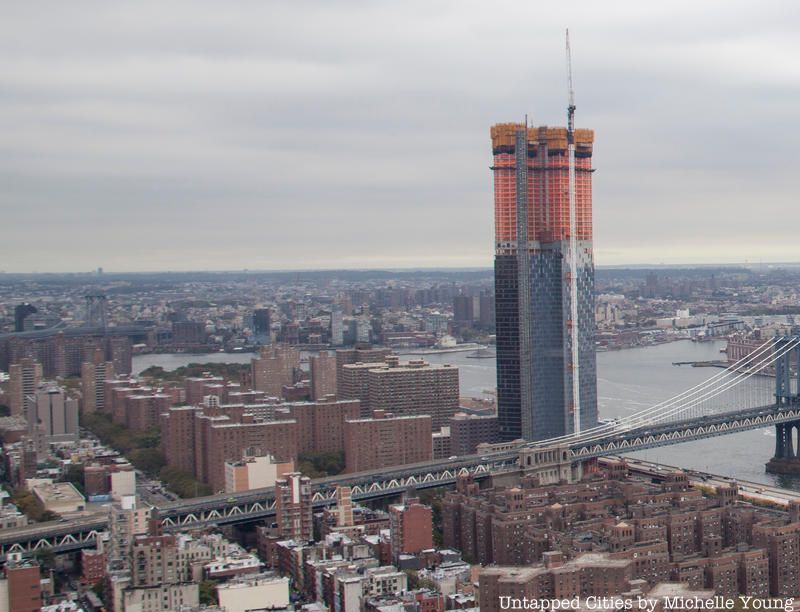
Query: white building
x,y
59,497
161,598
257,592
254,473
53,412
123,483
337,327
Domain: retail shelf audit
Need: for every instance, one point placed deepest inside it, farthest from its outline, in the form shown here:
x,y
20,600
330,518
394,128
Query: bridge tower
x,y
787,394
96,310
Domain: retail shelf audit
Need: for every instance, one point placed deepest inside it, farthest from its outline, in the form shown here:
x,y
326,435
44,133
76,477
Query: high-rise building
x,y
337,326
142,410
353,383
93,382
363,330
53,413
220,439
293,508
188,333
275,367
24,378
262,322
414,388
22,312
323,375
360,354
469,430
464,308
486,308
320,425
381,442
534,268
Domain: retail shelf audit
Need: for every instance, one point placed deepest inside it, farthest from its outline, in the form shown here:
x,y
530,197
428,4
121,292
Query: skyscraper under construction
x,y
544,283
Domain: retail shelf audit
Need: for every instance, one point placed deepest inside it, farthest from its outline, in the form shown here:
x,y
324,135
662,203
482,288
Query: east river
x,y
627,381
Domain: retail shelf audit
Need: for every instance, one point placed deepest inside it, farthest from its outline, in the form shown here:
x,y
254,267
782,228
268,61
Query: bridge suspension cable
x,y
740,377
678,403
641,420
607,427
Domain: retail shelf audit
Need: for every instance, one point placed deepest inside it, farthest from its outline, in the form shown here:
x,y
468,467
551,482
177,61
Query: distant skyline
x,y
288,136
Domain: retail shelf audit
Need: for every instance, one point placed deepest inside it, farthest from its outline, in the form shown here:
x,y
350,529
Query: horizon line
x,y
95,273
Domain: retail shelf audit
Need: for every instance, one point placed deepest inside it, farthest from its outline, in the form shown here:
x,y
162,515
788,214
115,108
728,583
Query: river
x,y
627,381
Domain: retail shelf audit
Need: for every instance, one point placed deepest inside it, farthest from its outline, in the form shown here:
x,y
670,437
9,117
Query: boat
x,y
482,353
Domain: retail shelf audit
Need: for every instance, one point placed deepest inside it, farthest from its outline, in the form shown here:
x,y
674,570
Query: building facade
x,y
293,507
371,444
24,378
275,367
415,388
94,375
323,375
533,279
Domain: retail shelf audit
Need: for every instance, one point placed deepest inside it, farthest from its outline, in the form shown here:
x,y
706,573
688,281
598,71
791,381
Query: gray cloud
x,y
191,135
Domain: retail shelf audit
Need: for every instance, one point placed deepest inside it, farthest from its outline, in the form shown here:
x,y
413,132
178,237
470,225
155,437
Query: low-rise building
x,y
11,517
254,473
253,592
59,497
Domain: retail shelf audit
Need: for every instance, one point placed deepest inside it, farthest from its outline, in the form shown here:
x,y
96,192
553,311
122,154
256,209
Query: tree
x,y
99,589
208,592
433,498
75,475
30,505
319,465
183,484
46,558
139,447
149,460
416,582
412,578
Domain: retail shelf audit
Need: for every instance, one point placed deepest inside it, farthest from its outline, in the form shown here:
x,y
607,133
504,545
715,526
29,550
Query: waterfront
x,y
627,381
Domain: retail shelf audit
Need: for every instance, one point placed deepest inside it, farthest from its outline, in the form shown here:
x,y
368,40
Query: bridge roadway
x,y
259,504
675,432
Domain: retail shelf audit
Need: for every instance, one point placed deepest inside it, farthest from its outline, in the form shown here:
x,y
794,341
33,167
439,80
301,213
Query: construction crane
x,y
571,95
573,252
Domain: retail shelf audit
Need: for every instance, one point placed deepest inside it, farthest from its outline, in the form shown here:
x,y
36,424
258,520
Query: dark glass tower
x,y
533,282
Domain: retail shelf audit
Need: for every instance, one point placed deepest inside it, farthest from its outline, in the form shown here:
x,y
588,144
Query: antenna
x,y
571,102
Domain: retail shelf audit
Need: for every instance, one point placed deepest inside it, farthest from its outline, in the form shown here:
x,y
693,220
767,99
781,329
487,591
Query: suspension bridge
x,y
758,391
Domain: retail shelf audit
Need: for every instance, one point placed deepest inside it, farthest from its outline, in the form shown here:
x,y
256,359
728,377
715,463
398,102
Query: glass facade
x,y
532,282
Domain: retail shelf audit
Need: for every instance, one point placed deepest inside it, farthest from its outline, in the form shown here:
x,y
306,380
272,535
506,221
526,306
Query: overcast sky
x,y
266,135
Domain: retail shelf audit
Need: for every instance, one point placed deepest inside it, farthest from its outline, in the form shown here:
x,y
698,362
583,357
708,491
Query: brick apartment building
x,y
199,440
359,354
323,375
636,529
469,430
274,368
411,388
371,444
411,526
